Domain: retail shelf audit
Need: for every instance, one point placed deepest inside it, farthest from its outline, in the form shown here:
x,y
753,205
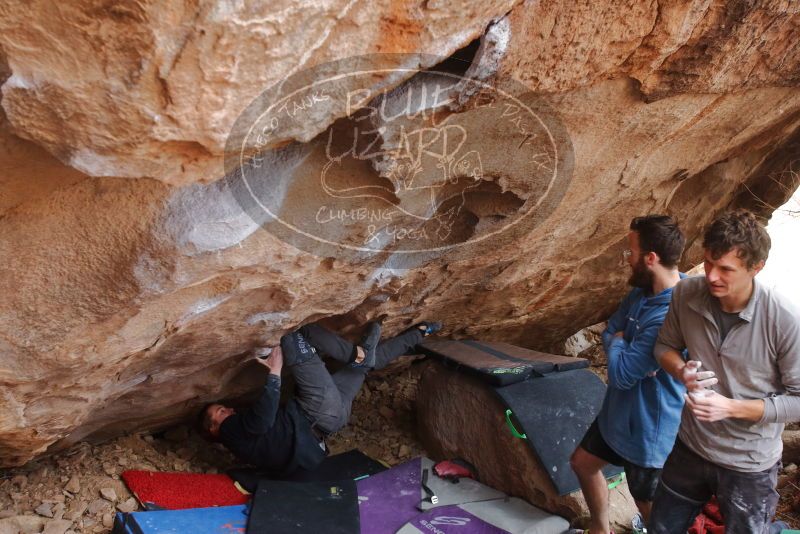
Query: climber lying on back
x,y
281,439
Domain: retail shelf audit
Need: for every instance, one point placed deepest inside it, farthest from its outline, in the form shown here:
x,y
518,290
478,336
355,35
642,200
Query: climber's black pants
x,y
327,399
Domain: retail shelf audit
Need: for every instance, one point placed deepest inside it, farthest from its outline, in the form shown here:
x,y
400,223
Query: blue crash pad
x,y
217,520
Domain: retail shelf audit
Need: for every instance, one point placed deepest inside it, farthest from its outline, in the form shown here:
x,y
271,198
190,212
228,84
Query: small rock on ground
x,y
128,506
97,506
108,494
74,485
45,509
76,510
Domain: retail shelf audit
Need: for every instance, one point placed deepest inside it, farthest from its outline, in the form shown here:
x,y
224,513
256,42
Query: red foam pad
x,y
709,521
178,491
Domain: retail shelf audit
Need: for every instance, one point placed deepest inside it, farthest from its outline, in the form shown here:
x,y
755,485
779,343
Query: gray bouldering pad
x,y
390,499
499,516
554,412
467,490
499,363
281,507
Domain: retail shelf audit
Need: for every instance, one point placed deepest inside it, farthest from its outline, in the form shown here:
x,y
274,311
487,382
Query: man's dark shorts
x,y
642,481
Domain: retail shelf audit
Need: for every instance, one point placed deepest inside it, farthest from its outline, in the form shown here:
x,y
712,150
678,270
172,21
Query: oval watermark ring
x,y
367,157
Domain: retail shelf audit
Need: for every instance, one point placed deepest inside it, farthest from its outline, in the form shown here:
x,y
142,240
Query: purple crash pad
x,y
389,500
449,520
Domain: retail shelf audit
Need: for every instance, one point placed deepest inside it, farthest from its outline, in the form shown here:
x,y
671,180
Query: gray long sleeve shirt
x,y
759,359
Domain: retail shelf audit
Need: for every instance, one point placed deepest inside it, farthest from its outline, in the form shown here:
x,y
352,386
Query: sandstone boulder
x,y
135,281
669,47
153,88
461,417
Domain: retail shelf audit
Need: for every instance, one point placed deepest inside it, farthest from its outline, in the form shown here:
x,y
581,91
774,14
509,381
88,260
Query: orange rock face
x,y
151,234
152,88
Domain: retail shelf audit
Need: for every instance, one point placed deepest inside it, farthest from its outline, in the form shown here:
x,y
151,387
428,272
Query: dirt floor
x,y
79,490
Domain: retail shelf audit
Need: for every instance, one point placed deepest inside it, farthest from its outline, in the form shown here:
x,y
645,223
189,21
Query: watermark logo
x,y
368,157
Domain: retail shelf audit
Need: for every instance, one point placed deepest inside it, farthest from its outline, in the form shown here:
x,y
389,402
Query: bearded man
x,y
641,412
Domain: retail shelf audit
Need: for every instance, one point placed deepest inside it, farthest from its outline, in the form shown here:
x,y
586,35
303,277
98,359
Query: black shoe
x,y
369,343
296,349
430,327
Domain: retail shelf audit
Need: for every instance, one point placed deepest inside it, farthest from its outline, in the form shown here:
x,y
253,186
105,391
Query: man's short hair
x,y
660,234
741,230
204,422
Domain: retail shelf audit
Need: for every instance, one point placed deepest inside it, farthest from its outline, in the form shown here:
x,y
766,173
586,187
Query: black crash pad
x,y
281,507
554,413
350,465
500,363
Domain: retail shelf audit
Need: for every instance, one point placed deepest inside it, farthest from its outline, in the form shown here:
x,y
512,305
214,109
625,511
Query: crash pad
x,y
497,516
449,520
282,507
177,491
497,362
350,465
215,520
390,499
553,413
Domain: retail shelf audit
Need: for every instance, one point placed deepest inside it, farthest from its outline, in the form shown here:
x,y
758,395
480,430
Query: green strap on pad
x,y
511,426
617,482
611,485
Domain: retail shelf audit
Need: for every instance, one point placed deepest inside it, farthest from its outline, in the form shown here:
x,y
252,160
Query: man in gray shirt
x,y
746,338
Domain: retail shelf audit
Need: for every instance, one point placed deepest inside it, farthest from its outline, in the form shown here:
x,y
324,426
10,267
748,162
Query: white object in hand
x,y
263,352
700,393
693,367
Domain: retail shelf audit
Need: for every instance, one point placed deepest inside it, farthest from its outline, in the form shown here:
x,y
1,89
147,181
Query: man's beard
x,y
641,276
